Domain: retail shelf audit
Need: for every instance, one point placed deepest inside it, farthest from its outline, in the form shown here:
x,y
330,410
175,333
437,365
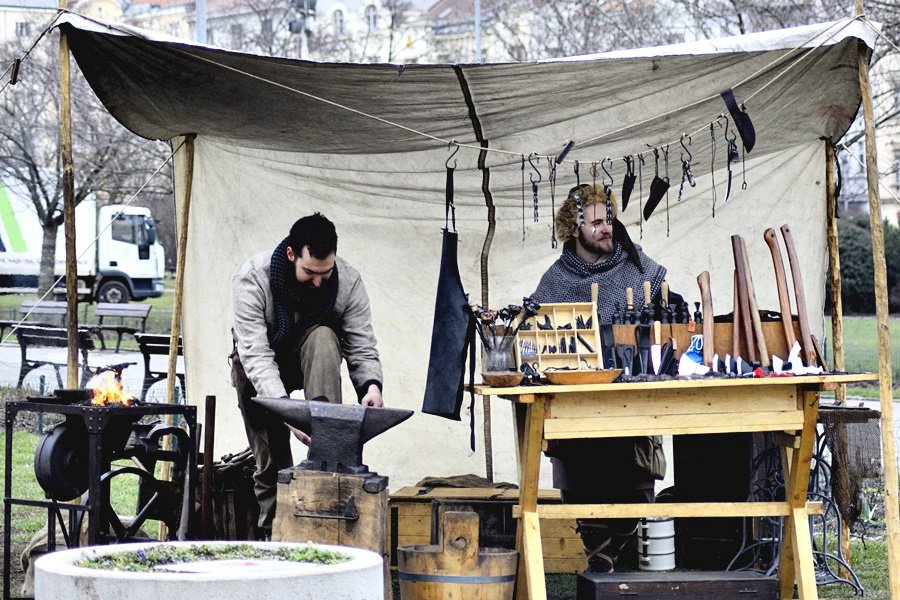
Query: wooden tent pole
x,y
181,257
68,185
834,271
841,450
889,452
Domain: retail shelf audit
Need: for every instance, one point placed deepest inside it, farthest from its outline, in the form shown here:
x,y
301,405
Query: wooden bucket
x,y
456,567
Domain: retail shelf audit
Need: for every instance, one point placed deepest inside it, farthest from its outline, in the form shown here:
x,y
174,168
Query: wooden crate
x,y
311,504
552,348
412,510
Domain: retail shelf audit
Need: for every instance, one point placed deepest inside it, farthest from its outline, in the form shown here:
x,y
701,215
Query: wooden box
x,y
331,508
572,339
412,512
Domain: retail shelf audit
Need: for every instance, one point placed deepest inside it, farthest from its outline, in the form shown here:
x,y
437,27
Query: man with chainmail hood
x,y
597,249
298,312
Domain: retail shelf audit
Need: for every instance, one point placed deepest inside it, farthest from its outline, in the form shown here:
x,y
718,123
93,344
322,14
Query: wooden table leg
x,y
786,556
530,581
796,525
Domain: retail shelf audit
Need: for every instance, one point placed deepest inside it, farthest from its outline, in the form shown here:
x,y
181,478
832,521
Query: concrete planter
x,y
361,578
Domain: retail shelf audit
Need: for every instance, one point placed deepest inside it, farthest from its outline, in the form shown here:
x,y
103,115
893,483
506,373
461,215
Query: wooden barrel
x,y
456,567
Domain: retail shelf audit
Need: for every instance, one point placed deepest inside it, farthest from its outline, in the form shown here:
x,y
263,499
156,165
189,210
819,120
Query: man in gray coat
x,y
298,311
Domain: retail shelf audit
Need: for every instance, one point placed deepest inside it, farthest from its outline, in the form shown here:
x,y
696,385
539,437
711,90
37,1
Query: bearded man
x,y
597,249
298,312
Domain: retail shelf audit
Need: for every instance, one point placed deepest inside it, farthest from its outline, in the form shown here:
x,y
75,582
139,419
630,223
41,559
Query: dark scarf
x,y
314,305
569,279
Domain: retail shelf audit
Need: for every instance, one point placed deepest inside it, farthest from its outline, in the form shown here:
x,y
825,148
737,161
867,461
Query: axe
x,y
708,318
809,352
764,359
784,299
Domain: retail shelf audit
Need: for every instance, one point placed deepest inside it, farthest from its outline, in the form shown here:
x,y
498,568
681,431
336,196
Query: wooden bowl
x,y
581,377
502,378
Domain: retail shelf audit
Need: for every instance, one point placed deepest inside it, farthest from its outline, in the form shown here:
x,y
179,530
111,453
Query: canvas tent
x,y
366,145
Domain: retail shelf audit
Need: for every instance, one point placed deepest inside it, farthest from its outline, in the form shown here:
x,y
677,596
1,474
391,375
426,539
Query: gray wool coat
x,y
254,321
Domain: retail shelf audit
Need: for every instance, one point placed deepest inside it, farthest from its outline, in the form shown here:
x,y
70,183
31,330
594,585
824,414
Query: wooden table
x,y
780,404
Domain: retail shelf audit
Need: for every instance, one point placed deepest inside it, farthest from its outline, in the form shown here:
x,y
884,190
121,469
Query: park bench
x,y
38,312
33,337
155,344
135,312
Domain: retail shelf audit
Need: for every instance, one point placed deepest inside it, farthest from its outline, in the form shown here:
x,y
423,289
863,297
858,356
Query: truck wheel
x,y
113,291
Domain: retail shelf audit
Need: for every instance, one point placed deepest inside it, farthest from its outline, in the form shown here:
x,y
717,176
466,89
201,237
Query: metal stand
x,y
96,419
767,485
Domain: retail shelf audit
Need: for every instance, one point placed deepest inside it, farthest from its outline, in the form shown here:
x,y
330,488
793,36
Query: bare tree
x,y
110,162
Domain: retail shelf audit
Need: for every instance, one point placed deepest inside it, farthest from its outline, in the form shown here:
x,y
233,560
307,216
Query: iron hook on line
x,y
608,174
690,157
452,154
535,168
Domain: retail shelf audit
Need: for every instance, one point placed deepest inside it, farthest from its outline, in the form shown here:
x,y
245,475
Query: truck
x,y
126,262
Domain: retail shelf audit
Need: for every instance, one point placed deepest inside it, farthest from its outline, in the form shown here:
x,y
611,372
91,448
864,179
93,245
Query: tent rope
x,y
826,36
93,242
34,44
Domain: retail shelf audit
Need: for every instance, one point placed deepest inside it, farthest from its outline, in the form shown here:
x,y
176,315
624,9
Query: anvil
x,y
337,431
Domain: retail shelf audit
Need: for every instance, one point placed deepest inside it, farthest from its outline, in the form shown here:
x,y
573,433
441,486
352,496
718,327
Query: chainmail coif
x,y
569,279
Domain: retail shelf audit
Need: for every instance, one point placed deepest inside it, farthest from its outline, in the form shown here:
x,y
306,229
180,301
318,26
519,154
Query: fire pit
x,y
359,578
76,456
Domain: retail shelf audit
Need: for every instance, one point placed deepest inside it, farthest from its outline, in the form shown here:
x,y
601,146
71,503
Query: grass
x,y
861,351
159,320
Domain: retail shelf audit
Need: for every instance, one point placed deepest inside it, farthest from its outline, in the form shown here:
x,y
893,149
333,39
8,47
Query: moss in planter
x,y
149,558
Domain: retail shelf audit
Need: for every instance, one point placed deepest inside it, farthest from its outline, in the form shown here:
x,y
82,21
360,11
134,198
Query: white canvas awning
x,y
366,145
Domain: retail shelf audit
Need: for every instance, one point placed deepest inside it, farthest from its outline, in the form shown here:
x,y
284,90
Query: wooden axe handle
x,y
736,326
784,298
764,359
708,318
743,298
809,352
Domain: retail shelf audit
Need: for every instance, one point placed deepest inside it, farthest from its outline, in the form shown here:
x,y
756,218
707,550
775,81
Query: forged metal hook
x,y
686,149
534,167
452,154
608,174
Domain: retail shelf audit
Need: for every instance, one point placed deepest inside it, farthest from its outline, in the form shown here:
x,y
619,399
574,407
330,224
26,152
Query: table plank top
x,y
672,384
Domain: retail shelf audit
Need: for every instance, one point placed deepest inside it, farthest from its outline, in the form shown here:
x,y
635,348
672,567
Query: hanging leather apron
x,y
453,332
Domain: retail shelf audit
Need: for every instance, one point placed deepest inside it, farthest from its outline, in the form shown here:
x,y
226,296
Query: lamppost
x,y
305,9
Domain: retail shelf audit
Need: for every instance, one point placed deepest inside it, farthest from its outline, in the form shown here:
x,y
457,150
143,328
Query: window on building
x,y
266,26
337,22
371,17
237,35
23,29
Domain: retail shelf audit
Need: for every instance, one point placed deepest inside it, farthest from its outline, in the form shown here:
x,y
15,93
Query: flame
x,y
108,390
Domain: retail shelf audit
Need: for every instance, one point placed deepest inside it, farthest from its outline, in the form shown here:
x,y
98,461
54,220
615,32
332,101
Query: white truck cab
x,y
130,259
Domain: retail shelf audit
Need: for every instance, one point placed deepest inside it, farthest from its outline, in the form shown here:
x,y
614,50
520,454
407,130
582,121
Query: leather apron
x,y
453,333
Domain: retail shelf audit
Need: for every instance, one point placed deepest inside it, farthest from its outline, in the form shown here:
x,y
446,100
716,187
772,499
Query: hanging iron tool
x,y
607,187
712,164
658,188
523,197
553,242
628,181
641,194
535,182
453,333
666,158
731,156
686,174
